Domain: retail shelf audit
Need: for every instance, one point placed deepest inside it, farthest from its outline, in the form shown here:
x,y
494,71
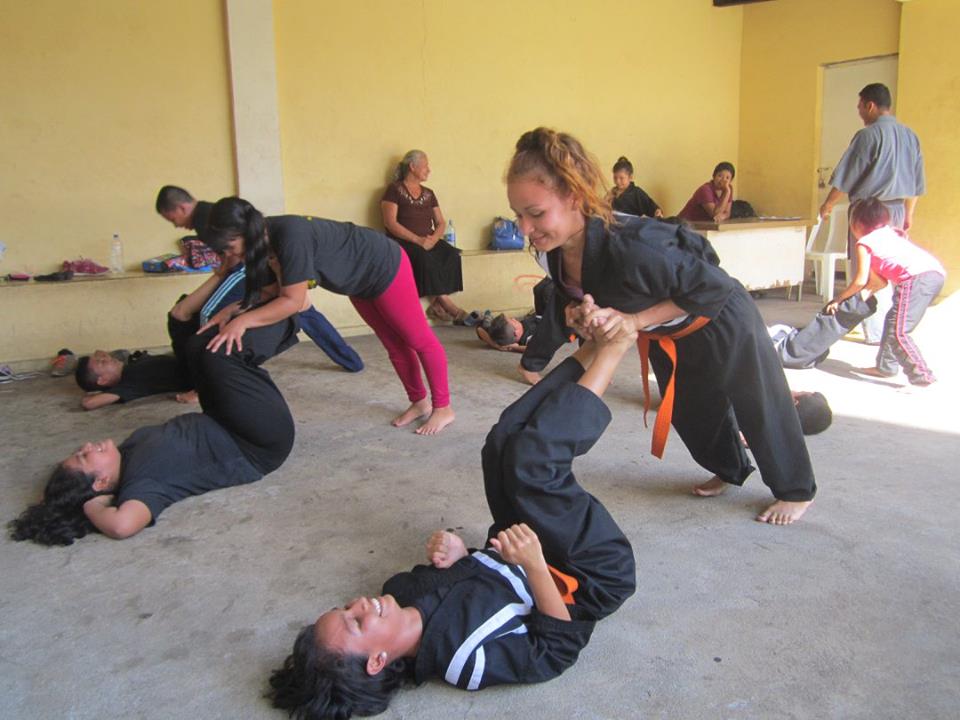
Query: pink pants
x,y
398,320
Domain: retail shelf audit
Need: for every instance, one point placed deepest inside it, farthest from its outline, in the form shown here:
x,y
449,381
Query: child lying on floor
x,y
508,334
117,378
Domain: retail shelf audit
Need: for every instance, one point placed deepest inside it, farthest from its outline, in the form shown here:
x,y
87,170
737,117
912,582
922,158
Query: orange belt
x,y
661,426
566,584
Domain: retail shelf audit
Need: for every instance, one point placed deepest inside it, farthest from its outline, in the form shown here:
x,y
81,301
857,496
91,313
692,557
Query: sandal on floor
x,y
461,318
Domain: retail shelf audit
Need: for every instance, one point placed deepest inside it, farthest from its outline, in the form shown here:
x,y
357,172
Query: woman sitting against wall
x,y
412,217
627,197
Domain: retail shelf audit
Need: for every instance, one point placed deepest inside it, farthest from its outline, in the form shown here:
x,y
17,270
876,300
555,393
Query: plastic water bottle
x,y
116,254
450,234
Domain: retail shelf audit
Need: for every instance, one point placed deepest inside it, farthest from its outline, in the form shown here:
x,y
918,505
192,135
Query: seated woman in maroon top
x,y
712,200
412,217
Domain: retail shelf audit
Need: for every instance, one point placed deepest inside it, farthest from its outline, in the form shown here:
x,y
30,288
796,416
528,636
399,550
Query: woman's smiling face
x,y
547,218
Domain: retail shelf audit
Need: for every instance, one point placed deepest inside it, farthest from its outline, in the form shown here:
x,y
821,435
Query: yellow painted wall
x,y
107,100
929,102
103,102
785,43
361,83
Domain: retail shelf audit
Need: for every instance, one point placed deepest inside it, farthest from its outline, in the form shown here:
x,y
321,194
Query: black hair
x,y
170,196
502,332
59,519
725,166
317,684
231,217
85,376
623,164
869,212
814,412
878,94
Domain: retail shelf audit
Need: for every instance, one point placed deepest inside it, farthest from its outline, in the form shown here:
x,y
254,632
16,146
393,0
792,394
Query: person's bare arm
x,y
858,283
389,212
531,377
117,522
287,303
721,209
439,225
613,324
485,337
519,545
909,205
833,197
94,400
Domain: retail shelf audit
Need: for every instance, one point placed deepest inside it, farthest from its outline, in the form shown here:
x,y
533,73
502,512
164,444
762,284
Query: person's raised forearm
x,y
833,197
664,311
546,596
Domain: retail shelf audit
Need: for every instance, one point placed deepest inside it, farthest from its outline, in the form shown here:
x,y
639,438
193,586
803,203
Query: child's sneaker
x,y
63,364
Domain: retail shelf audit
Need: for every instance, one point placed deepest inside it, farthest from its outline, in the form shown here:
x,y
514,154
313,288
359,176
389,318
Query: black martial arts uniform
x,y
481,626
727,372
244,432
551,333
809,346
280,336
634,201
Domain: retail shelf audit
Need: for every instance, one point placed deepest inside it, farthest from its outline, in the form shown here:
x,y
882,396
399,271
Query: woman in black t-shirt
x,y
244,432
345,259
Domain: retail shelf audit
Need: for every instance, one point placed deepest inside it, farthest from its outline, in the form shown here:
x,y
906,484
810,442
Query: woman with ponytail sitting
x,y
500,615
244,432
627,197
345,259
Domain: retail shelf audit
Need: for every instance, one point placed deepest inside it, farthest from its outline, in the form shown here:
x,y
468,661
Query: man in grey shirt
x,y
883,161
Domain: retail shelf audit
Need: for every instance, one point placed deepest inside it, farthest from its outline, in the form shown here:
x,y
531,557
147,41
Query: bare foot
x,y
444,548
416,410
438,420
711,488
189,397
784,512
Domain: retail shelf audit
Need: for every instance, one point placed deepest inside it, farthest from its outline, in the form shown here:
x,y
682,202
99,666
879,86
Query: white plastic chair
x,y
834,251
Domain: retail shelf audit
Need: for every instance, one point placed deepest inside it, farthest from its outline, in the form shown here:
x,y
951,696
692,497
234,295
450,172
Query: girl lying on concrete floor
x,y
244,433
496,615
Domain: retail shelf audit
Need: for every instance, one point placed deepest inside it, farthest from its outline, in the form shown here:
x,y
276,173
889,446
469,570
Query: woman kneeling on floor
x,y
498,615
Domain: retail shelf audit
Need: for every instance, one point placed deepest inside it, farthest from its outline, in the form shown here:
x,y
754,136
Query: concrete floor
x,y
852,613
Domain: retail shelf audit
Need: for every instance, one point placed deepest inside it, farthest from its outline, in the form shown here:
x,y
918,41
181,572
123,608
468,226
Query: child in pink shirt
x,y
885,254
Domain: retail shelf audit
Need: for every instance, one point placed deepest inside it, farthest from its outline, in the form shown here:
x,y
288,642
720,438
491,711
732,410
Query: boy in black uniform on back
x,y
110,379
